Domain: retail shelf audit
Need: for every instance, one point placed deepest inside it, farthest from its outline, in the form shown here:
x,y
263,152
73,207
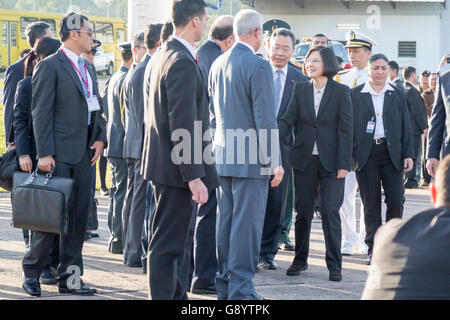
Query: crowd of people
x,y
204,215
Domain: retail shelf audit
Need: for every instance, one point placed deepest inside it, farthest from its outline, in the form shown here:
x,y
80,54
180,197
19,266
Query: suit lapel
x,y
92,74
309,96
367,98
70,70
288,87
388,101
326,97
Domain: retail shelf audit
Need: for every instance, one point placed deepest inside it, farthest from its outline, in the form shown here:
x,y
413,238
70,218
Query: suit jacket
x,y
114,127
134,106
23,125
396,124
438,136
14,73
410,258
207,54
399,84
332,129
292,77
60,111
417,110
242,101
178,102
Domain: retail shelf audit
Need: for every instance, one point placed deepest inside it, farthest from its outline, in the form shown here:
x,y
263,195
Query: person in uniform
x,y
359,48
382,145
114,152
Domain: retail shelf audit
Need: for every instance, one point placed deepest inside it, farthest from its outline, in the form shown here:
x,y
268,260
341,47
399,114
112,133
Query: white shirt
x,y
378,104
283,81
318,95
187,45
353,78
393,81
248,46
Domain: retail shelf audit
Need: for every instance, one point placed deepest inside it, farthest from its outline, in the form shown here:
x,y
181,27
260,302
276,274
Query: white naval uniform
x,y
350,237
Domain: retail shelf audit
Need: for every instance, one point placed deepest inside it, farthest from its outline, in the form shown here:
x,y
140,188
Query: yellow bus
x,y
110,31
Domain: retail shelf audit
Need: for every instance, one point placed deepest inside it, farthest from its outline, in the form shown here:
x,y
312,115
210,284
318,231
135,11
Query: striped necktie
x,y
84,81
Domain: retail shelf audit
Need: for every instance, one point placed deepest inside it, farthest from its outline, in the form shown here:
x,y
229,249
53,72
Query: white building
x,y
412,32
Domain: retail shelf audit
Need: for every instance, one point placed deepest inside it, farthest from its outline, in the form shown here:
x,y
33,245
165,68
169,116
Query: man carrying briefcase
x,y
70,135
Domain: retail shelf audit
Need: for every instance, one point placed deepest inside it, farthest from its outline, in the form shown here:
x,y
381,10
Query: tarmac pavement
x,y
115,281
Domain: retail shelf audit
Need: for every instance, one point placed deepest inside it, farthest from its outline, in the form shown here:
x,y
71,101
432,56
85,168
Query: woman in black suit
x,y
23,126
320,116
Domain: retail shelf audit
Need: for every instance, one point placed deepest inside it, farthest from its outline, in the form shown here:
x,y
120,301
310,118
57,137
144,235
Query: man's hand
x,y
342,174
98,147
25,163
425,133
432,165
408,164
278,177
45,163
199,191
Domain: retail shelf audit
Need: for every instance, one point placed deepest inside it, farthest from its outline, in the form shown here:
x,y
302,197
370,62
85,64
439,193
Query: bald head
x,y
222,32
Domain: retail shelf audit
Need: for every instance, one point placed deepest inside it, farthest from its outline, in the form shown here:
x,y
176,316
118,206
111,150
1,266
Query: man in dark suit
x,y
15,73
438,137
393,75
221,39
114,152
410,258
70,136
282,44
180,176
419,122
132,148
383,146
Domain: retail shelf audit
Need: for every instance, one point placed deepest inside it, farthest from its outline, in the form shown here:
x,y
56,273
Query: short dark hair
x,y
167,31
408,71
138,39
35,31
394,65
152,35
378,56
285,33
44,47
329,60
221,32
319,35
184,11
70,22
23,53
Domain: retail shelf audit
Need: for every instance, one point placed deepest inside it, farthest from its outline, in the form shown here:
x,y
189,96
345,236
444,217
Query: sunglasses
x,y
214,7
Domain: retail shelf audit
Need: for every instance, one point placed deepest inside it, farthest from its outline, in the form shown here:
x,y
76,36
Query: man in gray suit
x,y
115,133
247,111
132,150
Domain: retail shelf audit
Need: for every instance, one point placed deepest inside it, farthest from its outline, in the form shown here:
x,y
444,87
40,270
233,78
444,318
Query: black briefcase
x,y
42,202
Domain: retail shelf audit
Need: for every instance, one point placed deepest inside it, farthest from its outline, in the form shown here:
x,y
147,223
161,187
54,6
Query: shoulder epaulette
x,y
344,71
296,64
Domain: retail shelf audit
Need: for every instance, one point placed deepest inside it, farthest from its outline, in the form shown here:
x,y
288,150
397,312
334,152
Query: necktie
x,y
277,87
84,82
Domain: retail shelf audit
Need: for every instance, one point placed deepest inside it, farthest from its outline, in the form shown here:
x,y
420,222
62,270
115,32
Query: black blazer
x,y
23,124
207,54
60,111
177,99
417,109
396,124
332,129
14,73
399,84
292,77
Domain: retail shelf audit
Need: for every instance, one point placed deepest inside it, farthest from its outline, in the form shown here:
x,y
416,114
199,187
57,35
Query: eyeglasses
x,y
315,61
89,32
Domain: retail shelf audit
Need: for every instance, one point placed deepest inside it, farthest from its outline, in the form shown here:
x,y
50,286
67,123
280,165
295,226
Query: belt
x,y
379,141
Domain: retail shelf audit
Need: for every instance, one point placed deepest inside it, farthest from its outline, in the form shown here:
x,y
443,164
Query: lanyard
x,y
85,81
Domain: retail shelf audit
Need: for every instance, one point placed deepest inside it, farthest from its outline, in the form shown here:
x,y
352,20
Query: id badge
x,y
370,127
93,104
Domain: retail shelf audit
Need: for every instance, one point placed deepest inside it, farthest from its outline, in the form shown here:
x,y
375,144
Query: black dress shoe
x,y
269,265
32,287
92,234
209,290
287,246
335,275
47,277
83,290
295,269
369,259
87,237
